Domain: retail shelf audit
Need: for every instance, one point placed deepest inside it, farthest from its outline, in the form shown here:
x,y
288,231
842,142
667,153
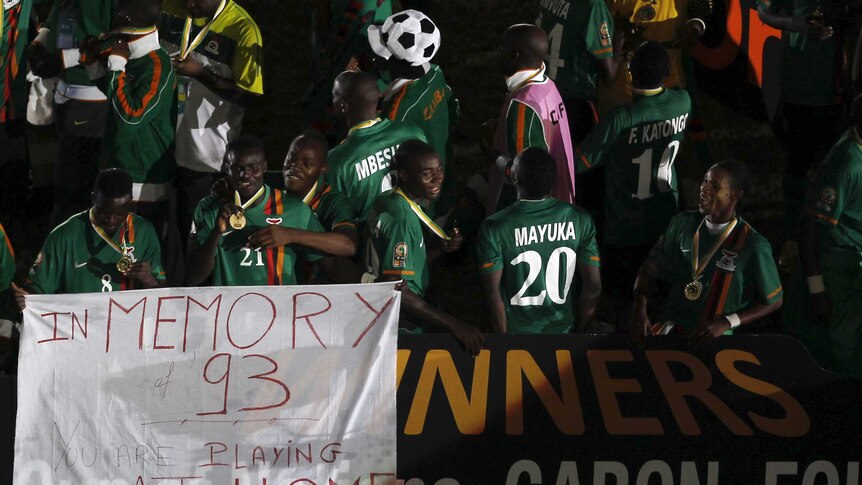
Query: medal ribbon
x,y
364,124
102,234
697,266
429,223
310,195
132,31
187,47
238,200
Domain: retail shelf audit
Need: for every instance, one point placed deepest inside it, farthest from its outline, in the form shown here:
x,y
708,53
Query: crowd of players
x,y
581,179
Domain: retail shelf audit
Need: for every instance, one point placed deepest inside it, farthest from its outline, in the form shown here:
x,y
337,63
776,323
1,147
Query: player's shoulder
x,y
73,227
236,22
404,130
142,224
678,96
753,238
683,219
210,204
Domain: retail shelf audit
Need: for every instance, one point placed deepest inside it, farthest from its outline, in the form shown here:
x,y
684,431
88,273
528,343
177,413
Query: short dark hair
x,y
649,66
245,144
315,137
537,172
740,174
112,183
409,152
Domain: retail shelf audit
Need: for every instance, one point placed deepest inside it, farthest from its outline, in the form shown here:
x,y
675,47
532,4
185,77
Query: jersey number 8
x,y
552,277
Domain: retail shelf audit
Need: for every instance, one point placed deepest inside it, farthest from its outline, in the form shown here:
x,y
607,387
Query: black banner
x,y
569,409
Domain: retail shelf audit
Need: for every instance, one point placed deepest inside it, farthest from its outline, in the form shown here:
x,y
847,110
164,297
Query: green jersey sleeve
x,y
831,191
335,211
404,252
310,223
598,31
203,222
599,145
588,250
766,278
523,129
137,94
47,271
488,250
663,256
148,241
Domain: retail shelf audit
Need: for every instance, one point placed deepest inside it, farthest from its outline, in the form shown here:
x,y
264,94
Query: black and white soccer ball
x,y
409,36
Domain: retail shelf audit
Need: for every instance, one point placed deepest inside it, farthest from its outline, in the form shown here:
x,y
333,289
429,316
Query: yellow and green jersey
x,y
359,166
396,244
810,67
638,143
75,258
537,245
238,265
579,33
741,273
14,36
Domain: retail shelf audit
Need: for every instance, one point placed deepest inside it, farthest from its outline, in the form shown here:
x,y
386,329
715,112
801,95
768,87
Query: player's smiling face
x,y
246,172
110,213
423,177
304,164
717,197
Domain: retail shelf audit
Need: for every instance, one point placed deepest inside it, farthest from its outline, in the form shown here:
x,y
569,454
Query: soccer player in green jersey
x,y
87,252
417,91
528,254
720,270
824,307
359,165
399,250
227,239
637,143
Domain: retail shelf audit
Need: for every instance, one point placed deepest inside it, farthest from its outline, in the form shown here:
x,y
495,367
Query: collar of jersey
x,y
143,45
648,92
520,78
263,200
396,86
365,125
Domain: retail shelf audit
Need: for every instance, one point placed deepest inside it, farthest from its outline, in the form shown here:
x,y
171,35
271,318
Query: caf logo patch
x,y
727,261
604,34
399,255
827,199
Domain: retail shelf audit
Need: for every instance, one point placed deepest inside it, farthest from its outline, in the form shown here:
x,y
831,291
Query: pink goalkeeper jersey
x,y
544,99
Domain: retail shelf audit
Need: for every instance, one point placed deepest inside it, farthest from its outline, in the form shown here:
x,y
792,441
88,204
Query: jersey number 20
x,y
552,277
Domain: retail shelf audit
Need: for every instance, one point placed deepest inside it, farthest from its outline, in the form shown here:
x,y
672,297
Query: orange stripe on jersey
x,y
772,295
603,51
595,258
487,265
398,272
7,241
148,96
822,217
583,157
395,104
345,224
519,140
279,259
131,228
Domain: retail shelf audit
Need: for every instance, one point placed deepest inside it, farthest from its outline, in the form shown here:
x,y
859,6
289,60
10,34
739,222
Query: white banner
x,y
194,386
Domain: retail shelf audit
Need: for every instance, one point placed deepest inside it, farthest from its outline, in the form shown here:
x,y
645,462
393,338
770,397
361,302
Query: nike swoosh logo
x,y
79,123
686,250
80,265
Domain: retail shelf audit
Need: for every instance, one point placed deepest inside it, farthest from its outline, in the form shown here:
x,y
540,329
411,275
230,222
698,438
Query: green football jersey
x,y
428,102
70,23
396,244
359,166
75,259
579,33
14,36
331,207
238,265
639,143
740,273
810,69
537,244
835,197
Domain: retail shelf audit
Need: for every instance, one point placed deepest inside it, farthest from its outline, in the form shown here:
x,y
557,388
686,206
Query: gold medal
x,y
124,264
237,220
693,290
